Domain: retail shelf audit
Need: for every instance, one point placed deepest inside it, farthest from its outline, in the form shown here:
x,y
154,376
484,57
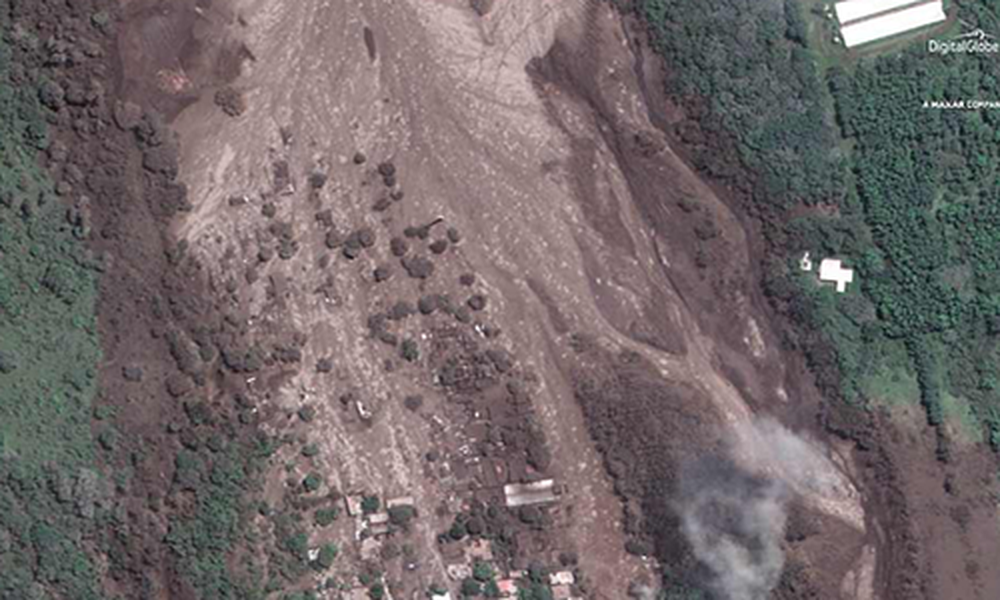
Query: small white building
x,y
527,494
806,263
831,270
562,578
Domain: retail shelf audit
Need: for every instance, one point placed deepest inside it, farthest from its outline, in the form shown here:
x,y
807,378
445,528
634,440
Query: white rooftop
x,y
525,494
886,24
852,10
832,270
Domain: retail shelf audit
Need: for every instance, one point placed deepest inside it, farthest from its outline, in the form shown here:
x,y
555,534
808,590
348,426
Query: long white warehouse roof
x,y
891,24
852,10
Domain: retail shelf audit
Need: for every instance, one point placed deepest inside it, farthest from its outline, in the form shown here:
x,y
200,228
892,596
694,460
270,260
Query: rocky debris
x,y
482,7
287,249
238,200
398,246
239,359
501,359
360,158
79,216
453,235
462,315
388,338
386,169
382,273
401,310
231,101
317,179
324,365
127,115
265,254
439,246
366,237
477,302
351,249
376,324
307,413
490,331
325,218
179,385
282,178
161,159
413,402
468,373
421,233
409,350
424,231
132,373
287,354
418,267
396,195
287,245
52,95
388,172
269,210
358,240
370,44
382,205
334,239
467,279
427,304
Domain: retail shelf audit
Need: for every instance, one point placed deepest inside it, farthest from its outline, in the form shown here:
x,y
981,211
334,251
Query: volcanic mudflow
x,y
430,253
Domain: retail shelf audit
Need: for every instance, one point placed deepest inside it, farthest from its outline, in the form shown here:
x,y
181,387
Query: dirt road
x,y
566,203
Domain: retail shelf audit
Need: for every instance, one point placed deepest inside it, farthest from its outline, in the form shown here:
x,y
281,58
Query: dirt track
x,y
574,214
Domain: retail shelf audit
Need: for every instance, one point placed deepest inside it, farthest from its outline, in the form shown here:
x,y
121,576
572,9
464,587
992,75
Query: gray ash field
x,y
416,298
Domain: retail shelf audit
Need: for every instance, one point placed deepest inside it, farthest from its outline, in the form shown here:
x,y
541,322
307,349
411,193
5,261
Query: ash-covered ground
x,y
441,248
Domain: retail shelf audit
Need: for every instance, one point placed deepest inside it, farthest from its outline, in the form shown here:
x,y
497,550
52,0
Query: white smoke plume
x,y
733,509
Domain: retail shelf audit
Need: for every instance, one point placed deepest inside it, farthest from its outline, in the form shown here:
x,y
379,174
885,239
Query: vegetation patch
x,y
48,338
846,156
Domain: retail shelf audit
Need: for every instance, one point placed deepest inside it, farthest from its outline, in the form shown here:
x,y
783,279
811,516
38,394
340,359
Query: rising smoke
x,y
733,508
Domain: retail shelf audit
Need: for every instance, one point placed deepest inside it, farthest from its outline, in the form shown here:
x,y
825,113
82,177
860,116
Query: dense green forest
x,y
846,160
50,496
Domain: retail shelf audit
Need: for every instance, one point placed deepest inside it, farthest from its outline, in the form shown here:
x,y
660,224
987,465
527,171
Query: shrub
x,y
370,504
482,571
325,516
312,482
310,450
327,554
409,350
401,515
458,530
471,587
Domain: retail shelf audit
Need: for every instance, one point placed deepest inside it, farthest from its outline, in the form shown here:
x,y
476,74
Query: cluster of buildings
x,y
480,551
864,21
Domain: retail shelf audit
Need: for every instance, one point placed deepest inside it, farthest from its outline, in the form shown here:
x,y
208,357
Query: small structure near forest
x,y
831,270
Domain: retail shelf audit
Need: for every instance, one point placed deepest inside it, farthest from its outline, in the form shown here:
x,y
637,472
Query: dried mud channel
x,y
429,249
